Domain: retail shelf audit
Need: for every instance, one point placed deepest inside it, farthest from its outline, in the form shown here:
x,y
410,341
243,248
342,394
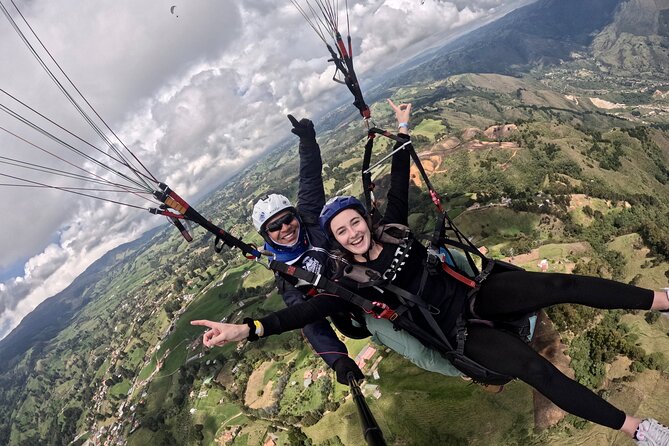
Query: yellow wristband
x,y
259,328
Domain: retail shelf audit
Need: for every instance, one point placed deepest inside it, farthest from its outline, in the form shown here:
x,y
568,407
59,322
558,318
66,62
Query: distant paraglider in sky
x,y
172,10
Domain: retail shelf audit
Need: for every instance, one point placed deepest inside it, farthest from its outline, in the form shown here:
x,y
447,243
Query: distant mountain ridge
x,y
549,32
54,313
637,41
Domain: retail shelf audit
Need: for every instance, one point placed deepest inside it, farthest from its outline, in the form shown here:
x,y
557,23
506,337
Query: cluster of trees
x,y
596,344
116,378
654,152
171,307
607,154
259,290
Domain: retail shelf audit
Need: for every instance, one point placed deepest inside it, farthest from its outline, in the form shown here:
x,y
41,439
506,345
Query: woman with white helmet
x,y
293,235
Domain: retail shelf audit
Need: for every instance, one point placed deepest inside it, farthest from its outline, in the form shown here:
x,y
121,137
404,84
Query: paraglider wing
x,y
173,8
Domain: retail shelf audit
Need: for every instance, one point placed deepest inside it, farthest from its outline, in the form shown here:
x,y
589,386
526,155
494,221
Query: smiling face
x,y
350,229
289,230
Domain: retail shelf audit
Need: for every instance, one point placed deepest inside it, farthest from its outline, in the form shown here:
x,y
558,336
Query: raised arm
x,y
397,208
310,192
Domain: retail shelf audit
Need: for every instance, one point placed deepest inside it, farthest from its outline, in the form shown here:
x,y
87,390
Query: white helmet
x,y
267,208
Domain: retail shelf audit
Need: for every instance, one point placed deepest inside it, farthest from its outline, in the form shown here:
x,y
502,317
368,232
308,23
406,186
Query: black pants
x,y
512,294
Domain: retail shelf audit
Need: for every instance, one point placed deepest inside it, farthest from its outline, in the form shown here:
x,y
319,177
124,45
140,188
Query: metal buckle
x,y
385,313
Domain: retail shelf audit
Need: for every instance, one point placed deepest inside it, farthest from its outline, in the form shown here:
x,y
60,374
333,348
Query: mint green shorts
x,y
384,333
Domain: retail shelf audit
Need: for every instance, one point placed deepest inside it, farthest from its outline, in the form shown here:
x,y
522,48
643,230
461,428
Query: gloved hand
x,y
345,365
303,128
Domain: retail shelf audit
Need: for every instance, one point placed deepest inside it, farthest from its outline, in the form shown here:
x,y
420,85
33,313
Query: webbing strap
x,y
436,199
439,238
323,283
185,210
461,335
486,271
457,276
367,184
407,296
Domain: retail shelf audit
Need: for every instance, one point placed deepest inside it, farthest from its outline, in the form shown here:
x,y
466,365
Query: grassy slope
x,y
419,408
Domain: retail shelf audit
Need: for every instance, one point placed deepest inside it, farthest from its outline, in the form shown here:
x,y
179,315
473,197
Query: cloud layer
x,y
197,94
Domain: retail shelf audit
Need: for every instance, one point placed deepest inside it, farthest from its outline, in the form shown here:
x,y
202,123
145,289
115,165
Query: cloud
x,y
196,97
479,5
88,237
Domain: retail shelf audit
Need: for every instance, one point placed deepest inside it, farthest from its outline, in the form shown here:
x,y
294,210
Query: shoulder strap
x,y
393,233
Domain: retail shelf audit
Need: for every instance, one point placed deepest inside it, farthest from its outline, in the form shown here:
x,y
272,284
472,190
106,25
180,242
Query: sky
x,y
196,93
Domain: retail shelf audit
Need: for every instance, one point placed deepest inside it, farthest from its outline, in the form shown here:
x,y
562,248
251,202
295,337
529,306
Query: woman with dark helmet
x,y
503,296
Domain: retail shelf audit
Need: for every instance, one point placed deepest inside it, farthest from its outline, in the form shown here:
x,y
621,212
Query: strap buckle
x,y
460,339
381,310
248,256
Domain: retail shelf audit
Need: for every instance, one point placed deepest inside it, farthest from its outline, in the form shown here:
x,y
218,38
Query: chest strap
x,y
322,283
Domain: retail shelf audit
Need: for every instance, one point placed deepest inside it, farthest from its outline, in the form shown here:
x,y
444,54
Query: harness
x,y
400,236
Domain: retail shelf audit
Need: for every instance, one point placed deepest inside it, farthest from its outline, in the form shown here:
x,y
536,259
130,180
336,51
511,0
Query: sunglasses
x,y
277,224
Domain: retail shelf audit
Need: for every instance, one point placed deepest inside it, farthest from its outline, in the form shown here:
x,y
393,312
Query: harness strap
x,y
463,246
436,199
367,184
486,271
460,336
462,242
441,344
412,298
459,277
323,283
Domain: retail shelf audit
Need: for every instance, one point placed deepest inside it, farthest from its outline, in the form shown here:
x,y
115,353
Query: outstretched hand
x,y
220,334
303,128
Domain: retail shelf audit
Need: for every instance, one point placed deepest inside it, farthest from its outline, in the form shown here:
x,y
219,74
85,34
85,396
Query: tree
x,y
179,284
652,317
297,438
309,419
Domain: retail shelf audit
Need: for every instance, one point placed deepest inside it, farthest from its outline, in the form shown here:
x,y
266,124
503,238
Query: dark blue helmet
x,y
334,206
